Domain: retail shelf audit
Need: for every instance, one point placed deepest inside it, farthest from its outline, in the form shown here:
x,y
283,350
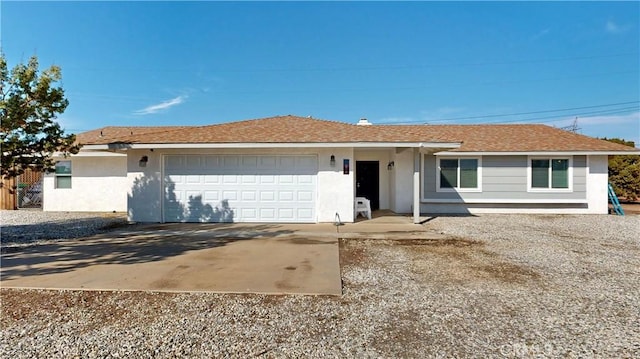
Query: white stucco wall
x,y
144,191
335,190
597,184
98,183
402,174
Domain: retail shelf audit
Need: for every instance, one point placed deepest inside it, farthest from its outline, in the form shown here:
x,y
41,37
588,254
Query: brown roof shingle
x,y
294,129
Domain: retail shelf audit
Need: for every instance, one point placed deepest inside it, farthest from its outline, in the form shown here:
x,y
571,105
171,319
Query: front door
x,y
368,182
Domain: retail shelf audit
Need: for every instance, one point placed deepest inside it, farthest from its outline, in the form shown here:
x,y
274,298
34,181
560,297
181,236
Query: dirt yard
x,y
500,286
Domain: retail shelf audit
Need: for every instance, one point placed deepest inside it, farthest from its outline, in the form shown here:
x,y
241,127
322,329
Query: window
x,y
63,174
458,173
550,173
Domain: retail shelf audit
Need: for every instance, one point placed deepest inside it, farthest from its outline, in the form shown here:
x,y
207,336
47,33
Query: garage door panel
x,y
212,179
267,214
229,195
248,195
211,196
248,214
286,213
267,196
305,213
193,179
229,179
285,179
305,179
305,196
285,196
267,179
238,188
249,179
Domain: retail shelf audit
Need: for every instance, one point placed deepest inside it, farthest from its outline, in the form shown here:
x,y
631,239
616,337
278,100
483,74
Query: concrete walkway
x,y
239,258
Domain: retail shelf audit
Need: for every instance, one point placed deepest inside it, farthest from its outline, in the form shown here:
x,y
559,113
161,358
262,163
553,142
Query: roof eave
x,y
537,153
125,146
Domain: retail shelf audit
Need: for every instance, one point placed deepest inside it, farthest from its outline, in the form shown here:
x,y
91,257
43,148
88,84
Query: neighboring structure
x,y
297,169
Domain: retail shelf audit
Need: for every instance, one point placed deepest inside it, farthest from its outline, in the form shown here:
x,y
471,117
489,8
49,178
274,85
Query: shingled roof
x,y
294,129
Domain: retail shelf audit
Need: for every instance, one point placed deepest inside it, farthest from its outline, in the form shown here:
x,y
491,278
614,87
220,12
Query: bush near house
x,y
624,172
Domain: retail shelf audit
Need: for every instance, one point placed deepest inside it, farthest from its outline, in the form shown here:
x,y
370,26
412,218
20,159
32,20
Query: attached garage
x,y
240,188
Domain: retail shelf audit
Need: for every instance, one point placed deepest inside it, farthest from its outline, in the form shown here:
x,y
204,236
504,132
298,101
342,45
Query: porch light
x,y
391,165
332,161
143,161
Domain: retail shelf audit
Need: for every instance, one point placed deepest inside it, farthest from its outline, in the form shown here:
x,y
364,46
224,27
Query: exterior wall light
x,y
143,161
332,161
391,165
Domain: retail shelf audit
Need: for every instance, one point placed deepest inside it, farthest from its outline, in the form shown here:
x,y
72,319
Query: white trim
x,y
163,187
538,153
417,175
504,201
65,175
89,153
457,189
126,146
550,189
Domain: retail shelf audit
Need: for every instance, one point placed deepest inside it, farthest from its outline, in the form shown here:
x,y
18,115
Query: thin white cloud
x,y
540,34
441,113
613,28
425,116
397,120
162,106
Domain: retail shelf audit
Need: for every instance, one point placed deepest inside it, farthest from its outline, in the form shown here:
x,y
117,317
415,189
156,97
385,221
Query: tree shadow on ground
x,y
62,229
135,245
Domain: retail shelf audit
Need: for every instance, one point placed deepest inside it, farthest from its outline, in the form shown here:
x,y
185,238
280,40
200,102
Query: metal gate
x,y
30,189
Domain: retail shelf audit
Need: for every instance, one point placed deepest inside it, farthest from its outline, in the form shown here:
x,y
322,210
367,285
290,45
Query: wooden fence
x,y
8,197
24,191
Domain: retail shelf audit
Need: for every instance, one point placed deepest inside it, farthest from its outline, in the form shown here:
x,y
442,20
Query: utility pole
x,y
573,127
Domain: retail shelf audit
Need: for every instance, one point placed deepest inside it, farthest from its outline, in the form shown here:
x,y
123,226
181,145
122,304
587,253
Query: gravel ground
x,y
28,227
502,286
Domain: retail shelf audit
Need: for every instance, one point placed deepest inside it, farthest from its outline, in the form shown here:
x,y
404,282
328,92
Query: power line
x,y
534,112
529,113
581,114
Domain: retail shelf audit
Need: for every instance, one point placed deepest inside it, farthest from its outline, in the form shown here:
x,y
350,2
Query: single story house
x,y
301,169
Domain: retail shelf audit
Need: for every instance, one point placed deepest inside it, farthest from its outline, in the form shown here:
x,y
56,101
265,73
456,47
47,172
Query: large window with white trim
x,y
461,174
550,174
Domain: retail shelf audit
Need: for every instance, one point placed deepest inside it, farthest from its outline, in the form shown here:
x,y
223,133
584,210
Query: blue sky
x,y
176,63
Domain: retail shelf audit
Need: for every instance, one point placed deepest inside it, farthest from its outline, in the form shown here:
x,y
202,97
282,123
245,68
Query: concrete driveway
x,y
257,258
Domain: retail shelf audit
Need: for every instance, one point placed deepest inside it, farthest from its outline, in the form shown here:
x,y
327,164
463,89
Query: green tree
x,y
624,172
29,104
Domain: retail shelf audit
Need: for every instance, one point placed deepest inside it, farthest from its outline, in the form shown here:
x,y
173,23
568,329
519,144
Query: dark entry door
x,y
368,182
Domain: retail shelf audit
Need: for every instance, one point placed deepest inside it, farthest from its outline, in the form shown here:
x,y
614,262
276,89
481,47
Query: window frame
x,y
457,188
530,187
65,175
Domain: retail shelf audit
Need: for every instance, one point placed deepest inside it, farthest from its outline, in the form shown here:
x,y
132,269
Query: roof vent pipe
x,y
364,122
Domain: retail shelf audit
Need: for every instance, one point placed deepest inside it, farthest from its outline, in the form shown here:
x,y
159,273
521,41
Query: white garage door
x,y
240,188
